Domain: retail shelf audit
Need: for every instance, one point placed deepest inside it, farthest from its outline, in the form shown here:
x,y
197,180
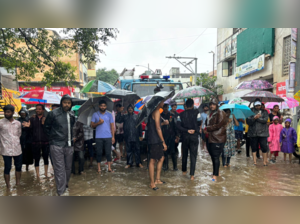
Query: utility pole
x,y
188,64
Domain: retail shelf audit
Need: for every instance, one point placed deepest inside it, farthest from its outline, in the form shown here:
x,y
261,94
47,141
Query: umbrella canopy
x,y
239,111
75,109
192,92
170,102
41,96
255,84
77,101
127,97
238,101
264,96
288,103
97,86
31,111
141,102
152,104
91,106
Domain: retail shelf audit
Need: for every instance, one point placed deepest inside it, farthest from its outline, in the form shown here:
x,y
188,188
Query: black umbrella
x,y
126,97
152,104
91,106
77,101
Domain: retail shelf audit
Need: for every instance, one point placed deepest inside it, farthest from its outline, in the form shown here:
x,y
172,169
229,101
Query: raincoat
x,y
298,131
258,127
274,132
288,138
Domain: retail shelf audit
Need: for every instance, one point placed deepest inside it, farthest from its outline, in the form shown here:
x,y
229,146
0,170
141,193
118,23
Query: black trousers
x,y
172,150
133,148
215,150
248,144
37,148
189,142
262,141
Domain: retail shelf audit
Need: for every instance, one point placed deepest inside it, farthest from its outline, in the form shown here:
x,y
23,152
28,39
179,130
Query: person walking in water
x,y
229,148
170,135
25,140
132,135
40,142
258,131
103,121
58,128
288,139
189,127
156,146
10,147
274,138
216,129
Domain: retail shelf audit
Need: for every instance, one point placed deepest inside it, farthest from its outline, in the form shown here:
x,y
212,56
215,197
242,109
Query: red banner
x,y
281,89
60,90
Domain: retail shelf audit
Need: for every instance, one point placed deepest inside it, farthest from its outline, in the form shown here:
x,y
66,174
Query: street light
x,y
146,67
213,62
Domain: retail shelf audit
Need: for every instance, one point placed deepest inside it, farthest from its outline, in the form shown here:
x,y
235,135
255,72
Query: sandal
x,y
162,182
99,172
154,188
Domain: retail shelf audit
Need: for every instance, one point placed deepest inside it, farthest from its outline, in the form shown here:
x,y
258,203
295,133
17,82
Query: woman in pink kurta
x,y
274,139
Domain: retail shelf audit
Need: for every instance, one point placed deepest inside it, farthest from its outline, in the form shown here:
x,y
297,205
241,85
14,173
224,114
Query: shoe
x,y
116,159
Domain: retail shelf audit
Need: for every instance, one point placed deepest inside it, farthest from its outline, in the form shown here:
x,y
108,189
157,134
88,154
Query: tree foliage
x,y
208,82
109,76
34,50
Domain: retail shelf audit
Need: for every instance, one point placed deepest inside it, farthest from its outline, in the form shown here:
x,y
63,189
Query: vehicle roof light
x,y
166,77
144,76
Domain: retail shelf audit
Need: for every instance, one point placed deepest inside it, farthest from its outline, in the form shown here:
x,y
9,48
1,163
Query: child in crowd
x,y
274,144
288,139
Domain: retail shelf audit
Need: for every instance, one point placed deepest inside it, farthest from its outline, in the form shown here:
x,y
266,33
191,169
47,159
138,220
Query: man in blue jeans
x,y
103,121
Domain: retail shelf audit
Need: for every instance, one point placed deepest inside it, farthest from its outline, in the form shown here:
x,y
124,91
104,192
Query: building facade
x,y
252,54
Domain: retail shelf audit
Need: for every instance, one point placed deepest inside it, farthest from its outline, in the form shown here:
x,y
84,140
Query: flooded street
x,y
242,178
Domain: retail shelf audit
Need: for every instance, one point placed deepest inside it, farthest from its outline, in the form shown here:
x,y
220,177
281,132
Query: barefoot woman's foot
x,y
128,166
184,173
192,178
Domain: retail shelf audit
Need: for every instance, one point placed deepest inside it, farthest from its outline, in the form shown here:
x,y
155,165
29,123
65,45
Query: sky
x,y
138,46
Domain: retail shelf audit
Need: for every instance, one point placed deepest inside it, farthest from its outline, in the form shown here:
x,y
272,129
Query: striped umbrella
x,y
97,87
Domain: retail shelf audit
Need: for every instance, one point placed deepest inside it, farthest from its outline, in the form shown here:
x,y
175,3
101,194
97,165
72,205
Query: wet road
x,y
242,178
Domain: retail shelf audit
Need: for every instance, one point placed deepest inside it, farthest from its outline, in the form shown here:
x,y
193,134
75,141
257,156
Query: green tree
x,y
208,82
34,50
109,76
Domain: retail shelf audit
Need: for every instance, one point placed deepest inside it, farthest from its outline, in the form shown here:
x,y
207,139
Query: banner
x,y
59,90
255,65
292,75
233,43
281,89
294,34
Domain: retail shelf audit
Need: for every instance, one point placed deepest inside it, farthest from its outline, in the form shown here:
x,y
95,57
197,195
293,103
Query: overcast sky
x,y
142,46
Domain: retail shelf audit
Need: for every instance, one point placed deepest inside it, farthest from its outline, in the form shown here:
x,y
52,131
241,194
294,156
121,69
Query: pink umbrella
x,y
288,103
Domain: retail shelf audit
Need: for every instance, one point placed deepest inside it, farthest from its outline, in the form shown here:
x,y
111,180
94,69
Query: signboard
x,y
197,101
219,54
255,65
10,96
222,55
294,34
293,48
292,75
281,89
233,43
59,90
228,48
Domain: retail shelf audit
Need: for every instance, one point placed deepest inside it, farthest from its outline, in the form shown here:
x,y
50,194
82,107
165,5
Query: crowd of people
x,y
62,138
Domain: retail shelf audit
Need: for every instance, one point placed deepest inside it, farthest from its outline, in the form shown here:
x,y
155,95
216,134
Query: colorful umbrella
x,y
287,104
255,84
192,92
239,111
263,96
75,109
141,102
41,96
97,87
238,101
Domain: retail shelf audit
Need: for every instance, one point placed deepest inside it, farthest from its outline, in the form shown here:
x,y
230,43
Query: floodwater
x,y
241,179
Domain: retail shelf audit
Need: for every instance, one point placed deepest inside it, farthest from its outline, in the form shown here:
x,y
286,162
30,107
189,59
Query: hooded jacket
x,y
37,130
26,135
169,130
216,124
258,127
56,125
131,133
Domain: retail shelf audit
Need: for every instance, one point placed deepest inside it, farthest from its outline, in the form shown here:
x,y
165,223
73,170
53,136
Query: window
x,y
228,68
286,55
